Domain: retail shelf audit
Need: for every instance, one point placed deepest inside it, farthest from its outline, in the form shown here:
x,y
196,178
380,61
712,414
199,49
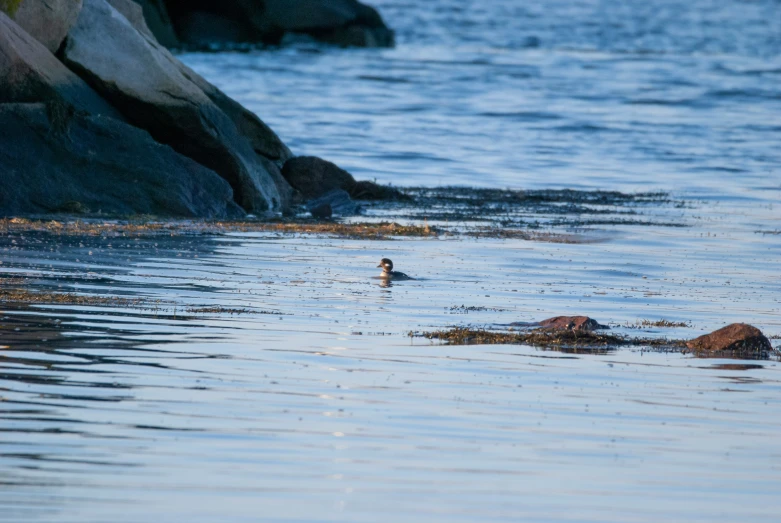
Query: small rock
x,y
737,338
333,202
572,323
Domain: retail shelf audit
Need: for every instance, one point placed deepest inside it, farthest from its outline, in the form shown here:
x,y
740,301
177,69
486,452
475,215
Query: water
x,y
309,402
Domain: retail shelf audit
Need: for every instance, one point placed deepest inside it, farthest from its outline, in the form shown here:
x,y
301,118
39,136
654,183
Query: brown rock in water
x,y
313,176
572,323
737,338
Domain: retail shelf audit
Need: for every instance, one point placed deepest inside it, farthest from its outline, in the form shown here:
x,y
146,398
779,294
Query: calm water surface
x,y
310,403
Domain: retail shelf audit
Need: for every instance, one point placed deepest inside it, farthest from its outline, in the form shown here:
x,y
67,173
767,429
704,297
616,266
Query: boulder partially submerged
x,y
735,339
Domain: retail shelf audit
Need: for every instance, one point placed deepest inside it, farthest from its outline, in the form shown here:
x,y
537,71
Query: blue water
x,y
671,95
313,404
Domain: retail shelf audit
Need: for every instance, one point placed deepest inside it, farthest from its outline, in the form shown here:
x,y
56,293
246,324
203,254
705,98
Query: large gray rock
x,y
134,14
30,73
158,21
154,91
48,21
55,159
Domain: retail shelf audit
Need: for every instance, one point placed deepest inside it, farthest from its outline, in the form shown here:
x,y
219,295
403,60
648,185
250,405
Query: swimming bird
x,y
388,273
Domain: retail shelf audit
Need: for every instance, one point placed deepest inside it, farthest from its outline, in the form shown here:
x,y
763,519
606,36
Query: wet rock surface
x,y
56,160
737,338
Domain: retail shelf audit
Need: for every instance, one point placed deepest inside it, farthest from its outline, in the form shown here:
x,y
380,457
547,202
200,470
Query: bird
x,y
388,273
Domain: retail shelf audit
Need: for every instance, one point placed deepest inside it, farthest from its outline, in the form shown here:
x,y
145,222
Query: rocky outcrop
x,y
735,339
572,323
56,159
48,21
157,93
206,23
112,78
30,73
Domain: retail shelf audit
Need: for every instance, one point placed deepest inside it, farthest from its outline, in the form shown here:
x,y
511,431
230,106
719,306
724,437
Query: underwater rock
x,y
737,338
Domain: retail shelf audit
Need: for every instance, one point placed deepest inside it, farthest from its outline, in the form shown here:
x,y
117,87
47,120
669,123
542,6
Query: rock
x,y
159,23
321,210
335,201
30,73
738,338
263,140
313,176
48,21
365,190
204,30
157,93
134,14
341,22
56,159
572,323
